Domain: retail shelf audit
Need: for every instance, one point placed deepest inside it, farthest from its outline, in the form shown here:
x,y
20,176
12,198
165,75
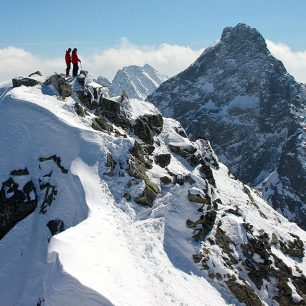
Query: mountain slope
x,y
243,100
138,82
129,211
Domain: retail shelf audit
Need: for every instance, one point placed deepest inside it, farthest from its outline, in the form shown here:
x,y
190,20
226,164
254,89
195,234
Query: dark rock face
x,y
59,83
24,81
163,160
16,202
242,99
56,226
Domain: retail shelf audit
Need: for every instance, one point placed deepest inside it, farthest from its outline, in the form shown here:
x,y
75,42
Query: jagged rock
x,y
198,196
149,194
56,160
64,89
24,81
166,180
293,248
139,150
224,242
138,170
112,111
243,292
124,96
181,131
86,99
163,160
56,226
207,153
207,221
49,197
100,124
111,164
208,174
16,203
20,172
79,110
35,73
142,130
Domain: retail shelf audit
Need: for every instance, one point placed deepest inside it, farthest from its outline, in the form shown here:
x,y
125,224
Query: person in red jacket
x,y
75,62
68,61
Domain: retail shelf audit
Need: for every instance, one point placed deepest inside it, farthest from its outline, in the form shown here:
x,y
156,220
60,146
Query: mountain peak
x,y
242,33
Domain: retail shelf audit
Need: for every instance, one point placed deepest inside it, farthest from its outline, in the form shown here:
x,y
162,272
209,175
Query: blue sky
x,y
44,27
113,33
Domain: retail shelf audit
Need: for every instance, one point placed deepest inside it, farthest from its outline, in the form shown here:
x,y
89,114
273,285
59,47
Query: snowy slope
x,y
111,250
241,98
138,82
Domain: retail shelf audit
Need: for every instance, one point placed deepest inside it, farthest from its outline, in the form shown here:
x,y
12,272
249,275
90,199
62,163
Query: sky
x,y
168,34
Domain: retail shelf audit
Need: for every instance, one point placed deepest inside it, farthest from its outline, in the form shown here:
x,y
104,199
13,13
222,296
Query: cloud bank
x,y
294,61
167,58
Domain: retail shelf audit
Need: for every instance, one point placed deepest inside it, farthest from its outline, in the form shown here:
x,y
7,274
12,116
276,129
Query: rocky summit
x,y
104,201
138,82
243,100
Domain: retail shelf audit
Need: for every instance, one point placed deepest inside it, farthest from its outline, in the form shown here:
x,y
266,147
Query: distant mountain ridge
x,y
138,82
244,101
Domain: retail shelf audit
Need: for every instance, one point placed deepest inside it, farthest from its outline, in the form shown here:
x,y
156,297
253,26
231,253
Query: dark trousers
x,y
75,70
68,68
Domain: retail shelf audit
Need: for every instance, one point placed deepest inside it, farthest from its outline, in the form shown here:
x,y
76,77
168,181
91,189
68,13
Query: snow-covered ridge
x,y
138,82
140,215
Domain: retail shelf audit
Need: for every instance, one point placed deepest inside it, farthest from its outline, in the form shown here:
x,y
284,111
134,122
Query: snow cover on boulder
x,y
124,209
243,100
138,82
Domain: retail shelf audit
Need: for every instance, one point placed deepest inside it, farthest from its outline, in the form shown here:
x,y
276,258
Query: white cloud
x,y
294,61
166,58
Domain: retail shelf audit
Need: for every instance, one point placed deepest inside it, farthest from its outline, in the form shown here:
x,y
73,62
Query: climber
x,y
75,62
68,61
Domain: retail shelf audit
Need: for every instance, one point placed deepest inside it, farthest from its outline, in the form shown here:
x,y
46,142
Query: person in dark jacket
x,y
75,62
68,61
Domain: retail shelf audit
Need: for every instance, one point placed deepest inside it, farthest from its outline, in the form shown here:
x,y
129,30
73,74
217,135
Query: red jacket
x,y
68,57
74,58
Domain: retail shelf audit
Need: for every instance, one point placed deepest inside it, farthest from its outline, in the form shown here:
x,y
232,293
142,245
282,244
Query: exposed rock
x,y
79,110
111,164
35,73
166,180
24,81
142,130
198,196
64,89
57,161
20,172
149,194
100,124
208,174
163,160
243,292
124,96
16,203
181,131
140,151
112,111
293,248
207,222
56,226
